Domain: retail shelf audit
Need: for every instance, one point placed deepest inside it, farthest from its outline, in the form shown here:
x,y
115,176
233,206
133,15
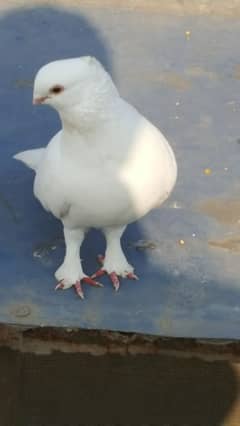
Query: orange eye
x,y
56,89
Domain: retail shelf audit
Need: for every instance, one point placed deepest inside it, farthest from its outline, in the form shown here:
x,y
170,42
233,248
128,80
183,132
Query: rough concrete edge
x,y
45,340
230,8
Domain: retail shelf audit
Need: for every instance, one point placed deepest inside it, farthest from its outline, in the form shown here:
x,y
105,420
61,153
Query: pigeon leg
x,y
70,273
114,264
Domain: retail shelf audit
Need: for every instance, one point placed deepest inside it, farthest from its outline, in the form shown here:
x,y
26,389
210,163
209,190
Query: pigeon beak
x,y
39,101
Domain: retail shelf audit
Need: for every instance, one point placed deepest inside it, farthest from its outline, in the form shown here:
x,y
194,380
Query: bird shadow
x,y
34,36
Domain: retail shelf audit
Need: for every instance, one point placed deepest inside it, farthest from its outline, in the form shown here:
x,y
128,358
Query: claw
x,y
78,286
132,276
113,275
99,273
59,285
78,289
92,282
115,281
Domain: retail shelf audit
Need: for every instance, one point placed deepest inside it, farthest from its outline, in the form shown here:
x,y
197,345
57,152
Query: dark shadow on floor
x,y
82,390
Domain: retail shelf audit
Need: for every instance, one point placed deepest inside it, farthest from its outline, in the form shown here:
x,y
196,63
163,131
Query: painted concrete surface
x,y
183,73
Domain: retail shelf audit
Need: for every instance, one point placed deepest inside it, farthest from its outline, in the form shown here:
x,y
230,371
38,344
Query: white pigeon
x,y
107,167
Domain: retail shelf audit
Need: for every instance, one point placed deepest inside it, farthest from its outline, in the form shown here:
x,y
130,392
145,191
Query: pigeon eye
x,y
56,89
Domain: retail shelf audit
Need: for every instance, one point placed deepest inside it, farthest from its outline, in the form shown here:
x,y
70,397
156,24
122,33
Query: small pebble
x,y
36,254
207,171
181,242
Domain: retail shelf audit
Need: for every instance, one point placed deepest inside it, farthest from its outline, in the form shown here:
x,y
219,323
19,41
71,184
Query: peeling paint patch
x,y
144,245
169,78
21,83
232,244
236,72
196,72
44,249
224,210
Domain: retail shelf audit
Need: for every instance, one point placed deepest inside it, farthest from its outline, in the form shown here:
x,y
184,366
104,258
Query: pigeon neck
x,y
77,120
85,118
95,106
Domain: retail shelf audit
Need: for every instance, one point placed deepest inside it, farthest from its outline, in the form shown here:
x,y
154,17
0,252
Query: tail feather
x,y
30,158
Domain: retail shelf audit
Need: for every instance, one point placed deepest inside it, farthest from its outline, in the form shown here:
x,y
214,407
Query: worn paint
x,y
184,290
23,83
232,244
224,210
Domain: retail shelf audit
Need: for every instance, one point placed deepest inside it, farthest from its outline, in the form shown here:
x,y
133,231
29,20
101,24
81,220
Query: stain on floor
x,y
226,211
232,244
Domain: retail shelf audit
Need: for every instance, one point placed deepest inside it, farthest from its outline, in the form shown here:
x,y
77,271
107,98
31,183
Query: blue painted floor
x,y
183,73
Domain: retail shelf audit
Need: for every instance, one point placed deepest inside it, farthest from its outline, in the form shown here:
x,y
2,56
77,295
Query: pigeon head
x,y
69,83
